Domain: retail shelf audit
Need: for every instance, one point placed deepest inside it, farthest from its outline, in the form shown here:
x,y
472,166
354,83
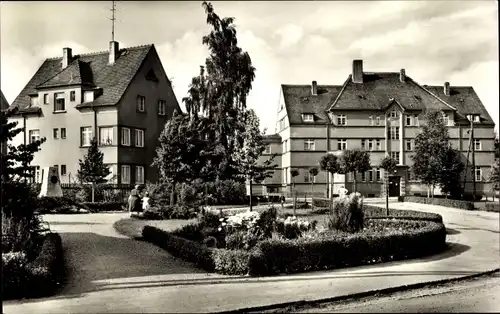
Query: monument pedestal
x,y
51,185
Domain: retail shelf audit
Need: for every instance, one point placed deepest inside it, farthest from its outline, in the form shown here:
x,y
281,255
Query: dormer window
x,y
307,117
34,101
394,114
88,96
445,119
476,118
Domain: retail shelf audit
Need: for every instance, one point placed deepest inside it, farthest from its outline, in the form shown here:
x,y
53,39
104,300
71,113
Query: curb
x,y
302,303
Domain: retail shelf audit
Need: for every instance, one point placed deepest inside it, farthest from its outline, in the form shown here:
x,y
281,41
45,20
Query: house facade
x,y
120,97
381,113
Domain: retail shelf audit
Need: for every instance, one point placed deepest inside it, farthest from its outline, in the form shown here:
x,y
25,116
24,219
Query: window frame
x,y
72,95
56,103
393,114
306,116
85,130
394,133
46,99
342,119
309,145
112,138
122,172
378,175
377,120
162,107
63,167
409,120
35,133
397,154
342,144
137,167
123,131
267,149
139,134
378,144
477,143
63,133
55,133
478,174
370,118
409,145
141,103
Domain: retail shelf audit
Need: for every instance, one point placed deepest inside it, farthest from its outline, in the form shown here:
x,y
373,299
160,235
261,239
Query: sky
x,y
289,42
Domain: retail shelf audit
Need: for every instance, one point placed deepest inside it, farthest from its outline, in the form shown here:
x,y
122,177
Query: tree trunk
x,y
312,191
354,181
172,195
93,192
386,194
251,191
331,193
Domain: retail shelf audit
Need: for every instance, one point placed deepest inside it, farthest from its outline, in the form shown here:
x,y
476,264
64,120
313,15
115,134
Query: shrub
x,y
39,277
374,212
104,206
292,227
236,240
441,202
347,214
20,234
274,256
492,207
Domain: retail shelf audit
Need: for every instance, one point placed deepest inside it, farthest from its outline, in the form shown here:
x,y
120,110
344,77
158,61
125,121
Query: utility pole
x,y
113,19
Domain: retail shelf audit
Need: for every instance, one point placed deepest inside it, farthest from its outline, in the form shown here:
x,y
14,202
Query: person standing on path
x,y
134,200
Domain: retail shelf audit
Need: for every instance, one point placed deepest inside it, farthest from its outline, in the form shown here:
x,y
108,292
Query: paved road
x,y
110,273
478,295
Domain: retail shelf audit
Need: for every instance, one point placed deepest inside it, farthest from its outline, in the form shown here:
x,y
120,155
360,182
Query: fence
x,y
103,192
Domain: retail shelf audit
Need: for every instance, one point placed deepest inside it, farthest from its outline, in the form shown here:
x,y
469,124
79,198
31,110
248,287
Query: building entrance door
x,y
394,188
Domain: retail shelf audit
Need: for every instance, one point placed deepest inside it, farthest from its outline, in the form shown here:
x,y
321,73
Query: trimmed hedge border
x,y
64,205
375,212
492,207
273,256
440,202
38,278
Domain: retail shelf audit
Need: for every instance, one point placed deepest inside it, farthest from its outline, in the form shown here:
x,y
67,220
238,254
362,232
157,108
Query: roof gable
x,y
92,68
299,100
4,104
379,88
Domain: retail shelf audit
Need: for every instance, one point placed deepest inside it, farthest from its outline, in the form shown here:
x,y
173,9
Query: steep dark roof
x,y
465,99
90,69
3,102
377,91
298,100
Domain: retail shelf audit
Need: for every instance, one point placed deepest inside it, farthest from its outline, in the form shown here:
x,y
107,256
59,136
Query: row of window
x,y
106,136
341,119
125,174
141,105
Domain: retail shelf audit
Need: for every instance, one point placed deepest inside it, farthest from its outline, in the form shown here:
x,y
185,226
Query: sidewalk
x,y
474,248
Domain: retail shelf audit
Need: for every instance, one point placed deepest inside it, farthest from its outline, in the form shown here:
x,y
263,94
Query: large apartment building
x,y
380,113
120,97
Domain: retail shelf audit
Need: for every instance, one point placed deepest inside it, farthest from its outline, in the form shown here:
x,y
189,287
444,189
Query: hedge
x,y
441,202
492,207
275,256
104,206
40,277
219,260
375,212
64,205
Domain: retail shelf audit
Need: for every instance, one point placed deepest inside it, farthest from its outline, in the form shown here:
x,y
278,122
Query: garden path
x,y
110,273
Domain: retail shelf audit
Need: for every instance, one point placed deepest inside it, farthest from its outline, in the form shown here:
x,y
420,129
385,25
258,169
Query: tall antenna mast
x,y
113,19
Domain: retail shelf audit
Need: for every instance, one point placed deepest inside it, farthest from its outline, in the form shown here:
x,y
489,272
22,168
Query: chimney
x,y
402,75
67,56
357,71
113,51
447,88
314,88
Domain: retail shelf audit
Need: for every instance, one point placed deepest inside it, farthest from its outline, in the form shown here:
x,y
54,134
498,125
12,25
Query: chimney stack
x,y
314,88
113,51
402,75
357,71
67,56
447,88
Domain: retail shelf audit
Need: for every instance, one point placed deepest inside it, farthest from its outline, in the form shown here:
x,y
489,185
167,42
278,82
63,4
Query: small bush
x,y
441,202
104,206
347,214
492,207
292,227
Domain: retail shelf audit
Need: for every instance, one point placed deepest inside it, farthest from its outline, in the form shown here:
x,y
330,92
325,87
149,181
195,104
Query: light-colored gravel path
x,y
113,274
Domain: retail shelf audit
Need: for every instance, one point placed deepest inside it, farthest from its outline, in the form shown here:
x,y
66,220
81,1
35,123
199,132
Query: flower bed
x,y
262,243
40,277
441,202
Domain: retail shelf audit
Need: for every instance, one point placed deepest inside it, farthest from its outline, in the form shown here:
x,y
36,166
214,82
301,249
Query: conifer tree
x,y
92,168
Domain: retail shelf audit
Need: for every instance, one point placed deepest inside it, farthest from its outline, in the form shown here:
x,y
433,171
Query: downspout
x,y
24,127
328,150
95,122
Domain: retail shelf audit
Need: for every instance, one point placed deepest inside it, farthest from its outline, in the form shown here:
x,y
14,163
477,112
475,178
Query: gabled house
x,y
379,112
121,97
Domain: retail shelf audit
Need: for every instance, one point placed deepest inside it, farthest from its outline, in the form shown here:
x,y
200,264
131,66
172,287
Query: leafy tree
x,y
18,198
431,145
450,172
253,147
389,165
497,146
92,168
179,153
330,163
313,172
355,161
219,94
294,172
494,176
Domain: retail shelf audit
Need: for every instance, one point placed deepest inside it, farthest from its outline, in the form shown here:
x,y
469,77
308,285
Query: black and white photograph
x,y
250,156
